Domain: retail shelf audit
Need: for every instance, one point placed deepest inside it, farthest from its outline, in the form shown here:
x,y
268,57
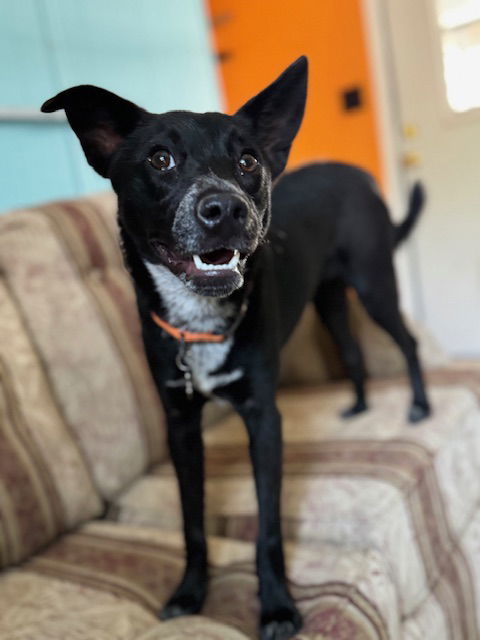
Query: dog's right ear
x,y
276,113
100,119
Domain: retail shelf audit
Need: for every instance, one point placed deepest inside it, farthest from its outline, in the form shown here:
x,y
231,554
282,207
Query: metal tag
x,y
185,369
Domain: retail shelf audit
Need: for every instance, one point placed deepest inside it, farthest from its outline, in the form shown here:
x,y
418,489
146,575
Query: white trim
x,y
388,116
14,114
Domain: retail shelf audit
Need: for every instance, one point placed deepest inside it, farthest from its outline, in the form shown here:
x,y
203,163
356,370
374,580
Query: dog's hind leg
x,y
331,304
379,295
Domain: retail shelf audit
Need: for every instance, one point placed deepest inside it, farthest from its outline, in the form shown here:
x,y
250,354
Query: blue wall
x,y
154,52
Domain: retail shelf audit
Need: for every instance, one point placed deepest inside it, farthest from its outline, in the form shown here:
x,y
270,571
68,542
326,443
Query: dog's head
x,y
193,189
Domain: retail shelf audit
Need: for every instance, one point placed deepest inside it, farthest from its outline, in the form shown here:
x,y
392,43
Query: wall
x,y
256,41
154,52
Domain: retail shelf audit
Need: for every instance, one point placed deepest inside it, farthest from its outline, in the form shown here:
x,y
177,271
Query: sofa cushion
x,y
373,482
431,619
311,357
46,608
63,268
45,485
197,627
428,621
341,594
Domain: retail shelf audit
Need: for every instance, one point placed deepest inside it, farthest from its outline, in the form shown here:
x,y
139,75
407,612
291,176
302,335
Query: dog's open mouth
x,y
218,260
220,263
217,272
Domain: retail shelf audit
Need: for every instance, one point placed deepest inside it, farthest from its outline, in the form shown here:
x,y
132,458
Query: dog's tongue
x,y
220,256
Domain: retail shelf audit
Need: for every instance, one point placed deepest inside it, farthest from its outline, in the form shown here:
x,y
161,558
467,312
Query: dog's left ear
x,y
276,113
100,119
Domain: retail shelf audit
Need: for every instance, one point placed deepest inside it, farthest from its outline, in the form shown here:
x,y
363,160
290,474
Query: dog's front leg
x,y
186,450
279,617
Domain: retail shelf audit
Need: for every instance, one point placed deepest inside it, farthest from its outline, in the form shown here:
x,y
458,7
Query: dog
x,y
220,285
343,201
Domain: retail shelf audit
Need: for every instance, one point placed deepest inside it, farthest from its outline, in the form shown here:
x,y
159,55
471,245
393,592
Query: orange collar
x,y
187,336
190,336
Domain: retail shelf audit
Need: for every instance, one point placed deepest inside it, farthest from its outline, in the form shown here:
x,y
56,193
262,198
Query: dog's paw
x,y
182,606
358,407
283,627
418,412
285,630
185,601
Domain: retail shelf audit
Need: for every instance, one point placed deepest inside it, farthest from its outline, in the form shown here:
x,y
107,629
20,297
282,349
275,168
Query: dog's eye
x,y
247,163
162,160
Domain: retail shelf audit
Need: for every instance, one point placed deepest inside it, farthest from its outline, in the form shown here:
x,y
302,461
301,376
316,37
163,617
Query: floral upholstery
x,y
45,485
370,483
346,595
63,270
381,520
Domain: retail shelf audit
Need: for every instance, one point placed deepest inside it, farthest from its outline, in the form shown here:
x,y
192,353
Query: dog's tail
x,y
415,206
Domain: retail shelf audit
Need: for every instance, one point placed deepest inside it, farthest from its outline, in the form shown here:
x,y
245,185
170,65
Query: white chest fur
x,y
187,310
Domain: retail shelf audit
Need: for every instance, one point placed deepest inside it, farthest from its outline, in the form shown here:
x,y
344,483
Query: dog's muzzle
x,y
215,229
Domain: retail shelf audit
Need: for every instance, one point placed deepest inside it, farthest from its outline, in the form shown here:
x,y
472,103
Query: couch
x,y
381,519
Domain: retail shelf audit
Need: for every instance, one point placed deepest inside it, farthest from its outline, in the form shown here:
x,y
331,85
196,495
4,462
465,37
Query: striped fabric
x,y
71,355
45,485
342,595
80,414
382,520
375,482
64,272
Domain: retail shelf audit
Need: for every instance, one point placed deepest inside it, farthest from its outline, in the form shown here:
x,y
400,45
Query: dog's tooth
x,y
234,260
203,266
198,261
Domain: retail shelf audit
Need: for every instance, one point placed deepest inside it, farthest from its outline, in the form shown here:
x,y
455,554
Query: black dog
x,y
194,194
341,205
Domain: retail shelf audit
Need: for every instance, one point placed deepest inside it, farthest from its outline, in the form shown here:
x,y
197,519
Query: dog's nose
x,y
220,209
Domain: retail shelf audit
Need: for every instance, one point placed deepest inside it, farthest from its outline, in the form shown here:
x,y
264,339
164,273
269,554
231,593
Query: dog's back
x,y
325,218
333,216
331,229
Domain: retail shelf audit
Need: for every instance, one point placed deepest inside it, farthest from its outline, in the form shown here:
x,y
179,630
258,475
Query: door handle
x,y
411,159
410,131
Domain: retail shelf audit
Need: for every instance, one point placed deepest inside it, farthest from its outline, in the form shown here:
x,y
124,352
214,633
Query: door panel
x,y
255,41
445,147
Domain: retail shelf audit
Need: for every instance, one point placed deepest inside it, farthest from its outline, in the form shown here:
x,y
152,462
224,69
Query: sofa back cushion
x,y
45,485
311,357
64,272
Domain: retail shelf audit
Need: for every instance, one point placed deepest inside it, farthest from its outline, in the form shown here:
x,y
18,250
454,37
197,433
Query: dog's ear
x,y
276,113
100,119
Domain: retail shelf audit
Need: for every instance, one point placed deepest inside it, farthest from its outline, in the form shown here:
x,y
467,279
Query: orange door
x,y
255,41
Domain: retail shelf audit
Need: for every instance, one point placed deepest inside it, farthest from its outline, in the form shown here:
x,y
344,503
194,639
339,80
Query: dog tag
x,y
188,383
185,369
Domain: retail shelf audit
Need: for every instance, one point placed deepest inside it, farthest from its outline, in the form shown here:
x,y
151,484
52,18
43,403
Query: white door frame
x,y
389,128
